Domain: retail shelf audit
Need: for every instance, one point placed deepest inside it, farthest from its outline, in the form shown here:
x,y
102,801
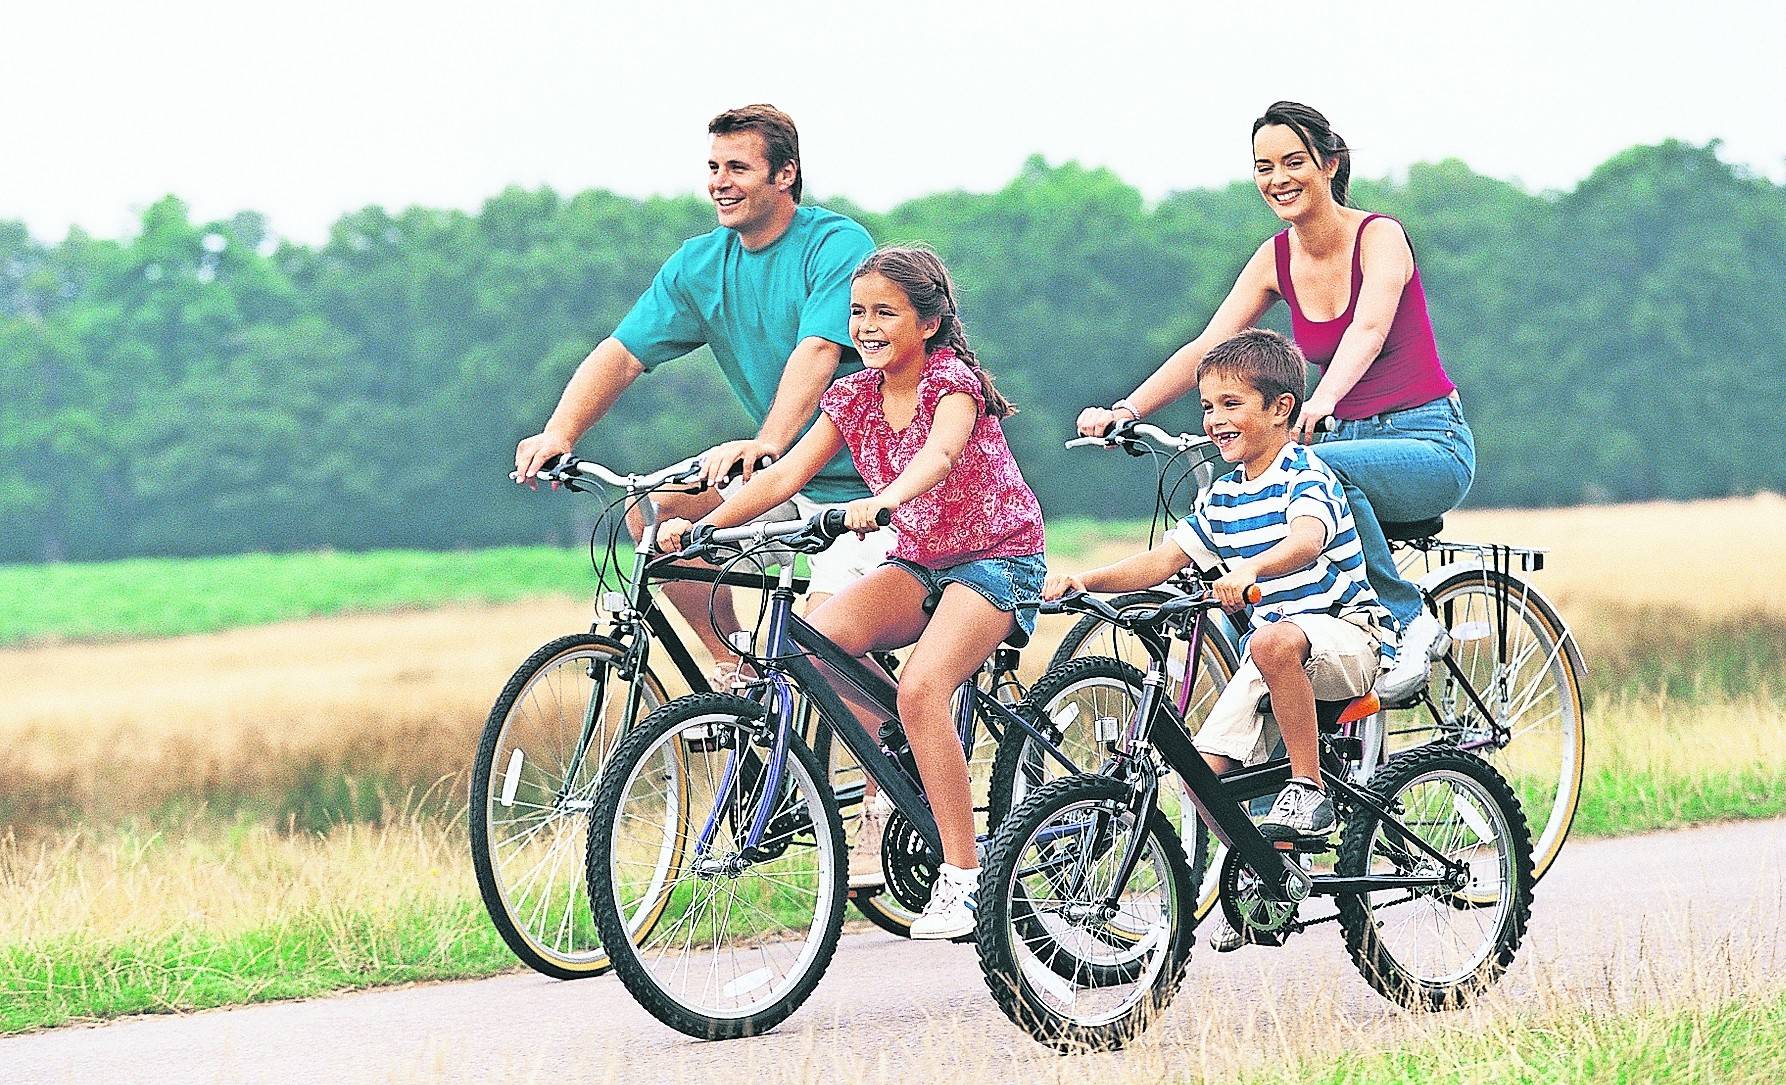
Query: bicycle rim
x,y
532,794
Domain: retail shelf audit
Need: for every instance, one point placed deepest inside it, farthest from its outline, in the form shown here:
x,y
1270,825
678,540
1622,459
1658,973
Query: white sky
x,y
305,111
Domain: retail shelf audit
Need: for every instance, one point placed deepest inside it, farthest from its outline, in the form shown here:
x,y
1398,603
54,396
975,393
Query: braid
x,y
920,273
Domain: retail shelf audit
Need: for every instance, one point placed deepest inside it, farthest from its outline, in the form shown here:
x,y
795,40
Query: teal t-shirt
x,y
752,309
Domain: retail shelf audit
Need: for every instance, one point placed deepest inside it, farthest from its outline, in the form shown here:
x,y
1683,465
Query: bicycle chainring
x,y
907,861
1261,920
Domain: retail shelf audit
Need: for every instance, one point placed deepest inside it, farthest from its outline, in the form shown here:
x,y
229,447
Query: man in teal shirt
x,y
769,293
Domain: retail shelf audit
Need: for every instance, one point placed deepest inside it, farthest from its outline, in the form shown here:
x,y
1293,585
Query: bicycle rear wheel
x,y
722,938
532,782
1066,969
1532,689
1417,947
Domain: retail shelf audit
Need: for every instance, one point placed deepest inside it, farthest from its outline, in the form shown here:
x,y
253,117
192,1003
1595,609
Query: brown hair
x,y
1264,359
781,140
1318,138
919,272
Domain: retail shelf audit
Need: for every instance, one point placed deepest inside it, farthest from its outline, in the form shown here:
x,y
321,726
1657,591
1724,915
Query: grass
x,y
158,597
202,914
299,779
1738,1042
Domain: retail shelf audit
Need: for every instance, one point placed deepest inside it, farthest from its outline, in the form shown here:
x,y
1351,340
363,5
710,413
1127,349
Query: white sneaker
x,y
1423,641
865,853
950,913
1223,938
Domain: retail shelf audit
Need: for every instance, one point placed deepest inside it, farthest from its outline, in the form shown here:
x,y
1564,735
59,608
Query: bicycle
x,y
1086,901
1513,671
725,930
559,716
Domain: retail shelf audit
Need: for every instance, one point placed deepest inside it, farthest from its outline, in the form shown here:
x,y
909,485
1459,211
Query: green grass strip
x,y
1623,802
153,597
53,983
1733,1043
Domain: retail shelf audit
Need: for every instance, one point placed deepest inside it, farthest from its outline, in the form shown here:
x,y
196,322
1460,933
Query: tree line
x,y
202,387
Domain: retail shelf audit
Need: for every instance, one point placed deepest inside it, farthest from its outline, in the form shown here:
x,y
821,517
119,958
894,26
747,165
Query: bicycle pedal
x,y
1307,845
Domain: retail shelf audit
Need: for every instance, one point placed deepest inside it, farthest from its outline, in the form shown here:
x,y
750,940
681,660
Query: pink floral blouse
x,y
983,509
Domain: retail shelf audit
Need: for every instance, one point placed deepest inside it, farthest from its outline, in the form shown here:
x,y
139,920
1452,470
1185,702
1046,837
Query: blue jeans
x,y
1401,466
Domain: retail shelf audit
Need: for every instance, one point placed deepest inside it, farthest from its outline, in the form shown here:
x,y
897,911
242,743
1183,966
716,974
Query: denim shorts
x,y
1013,585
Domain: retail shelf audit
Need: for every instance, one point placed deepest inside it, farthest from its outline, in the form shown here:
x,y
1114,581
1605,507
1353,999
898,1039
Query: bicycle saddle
x,y
1413,530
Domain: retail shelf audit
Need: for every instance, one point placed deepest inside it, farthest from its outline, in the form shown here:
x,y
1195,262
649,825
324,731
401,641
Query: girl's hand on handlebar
x,y
1237,588
860,516
1059,584
671,533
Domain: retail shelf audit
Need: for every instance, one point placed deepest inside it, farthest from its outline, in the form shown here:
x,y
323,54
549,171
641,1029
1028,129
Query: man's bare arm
x,y
608,371
809,371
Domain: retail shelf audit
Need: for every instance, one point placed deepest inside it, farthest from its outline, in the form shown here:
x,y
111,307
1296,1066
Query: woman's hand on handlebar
x,y
671,534
1096,421
1060,584
861,516
1314,420
1237,587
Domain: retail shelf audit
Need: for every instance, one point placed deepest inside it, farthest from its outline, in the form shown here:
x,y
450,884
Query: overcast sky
x,y
305,111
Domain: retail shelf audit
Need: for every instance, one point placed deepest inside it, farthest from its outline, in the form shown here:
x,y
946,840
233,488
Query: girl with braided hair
x,y
922,425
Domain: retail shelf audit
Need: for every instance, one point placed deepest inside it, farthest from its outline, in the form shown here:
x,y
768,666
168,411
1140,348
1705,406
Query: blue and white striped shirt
x,y
1240,517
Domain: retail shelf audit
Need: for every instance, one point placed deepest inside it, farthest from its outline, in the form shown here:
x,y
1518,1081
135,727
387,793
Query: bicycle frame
x,y
788,657
1219,798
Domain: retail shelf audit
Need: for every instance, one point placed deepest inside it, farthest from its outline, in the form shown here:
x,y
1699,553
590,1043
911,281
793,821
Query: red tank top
x,y
1407,371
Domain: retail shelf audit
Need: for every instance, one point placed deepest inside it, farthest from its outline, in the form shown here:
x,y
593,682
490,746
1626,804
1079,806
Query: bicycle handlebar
x,y
1086,603
809,536
569,470
1133,436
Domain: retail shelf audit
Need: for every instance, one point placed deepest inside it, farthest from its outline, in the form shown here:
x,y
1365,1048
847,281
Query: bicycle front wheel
x,y
720,935
1075,959
532,784
1517,661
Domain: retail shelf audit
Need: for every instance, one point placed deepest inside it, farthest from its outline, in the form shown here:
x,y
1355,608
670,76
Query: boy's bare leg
x,y
1219,764
1280,651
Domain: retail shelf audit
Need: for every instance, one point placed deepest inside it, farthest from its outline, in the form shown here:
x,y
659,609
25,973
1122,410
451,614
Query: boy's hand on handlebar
x,y
743,455
671,533
860,515
1059,584
1237,588
532,454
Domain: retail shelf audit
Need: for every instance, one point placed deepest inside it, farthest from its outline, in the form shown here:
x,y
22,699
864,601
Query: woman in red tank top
x,y
1358,310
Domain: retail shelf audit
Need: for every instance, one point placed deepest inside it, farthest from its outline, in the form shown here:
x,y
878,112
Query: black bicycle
x,y
722,927
1087,900
561,713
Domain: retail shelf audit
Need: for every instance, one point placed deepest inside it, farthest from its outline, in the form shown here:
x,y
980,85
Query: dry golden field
x,y
348,713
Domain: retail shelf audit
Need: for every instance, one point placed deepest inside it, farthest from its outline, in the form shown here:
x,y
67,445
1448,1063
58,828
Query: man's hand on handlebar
x,y
532,454
745,456
1060,584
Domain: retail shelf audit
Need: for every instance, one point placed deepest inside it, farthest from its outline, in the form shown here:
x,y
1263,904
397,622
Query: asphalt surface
x,y
1616,922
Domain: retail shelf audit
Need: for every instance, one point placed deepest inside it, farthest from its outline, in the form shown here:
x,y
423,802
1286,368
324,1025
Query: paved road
x,y
1615,921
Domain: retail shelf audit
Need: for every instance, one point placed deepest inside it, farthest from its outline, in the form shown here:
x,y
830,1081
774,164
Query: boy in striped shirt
x,y
1278,520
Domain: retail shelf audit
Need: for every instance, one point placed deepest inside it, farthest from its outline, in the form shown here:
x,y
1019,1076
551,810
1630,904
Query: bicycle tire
x,y
1034,998
1370,926
723,723
551,932
1544,758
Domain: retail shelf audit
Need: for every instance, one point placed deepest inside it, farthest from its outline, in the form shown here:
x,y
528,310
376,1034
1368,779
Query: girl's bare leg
x,y
960,637
882,611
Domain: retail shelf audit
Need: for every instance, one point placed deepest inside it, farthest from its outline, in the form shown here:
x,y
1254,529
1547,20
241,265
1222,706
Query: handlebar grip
x,y
1253,594
737,470
831,525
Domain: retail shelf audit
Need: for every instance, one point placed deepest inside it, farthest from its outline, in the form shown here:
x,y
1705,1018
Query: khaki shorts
x,y
1342,663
